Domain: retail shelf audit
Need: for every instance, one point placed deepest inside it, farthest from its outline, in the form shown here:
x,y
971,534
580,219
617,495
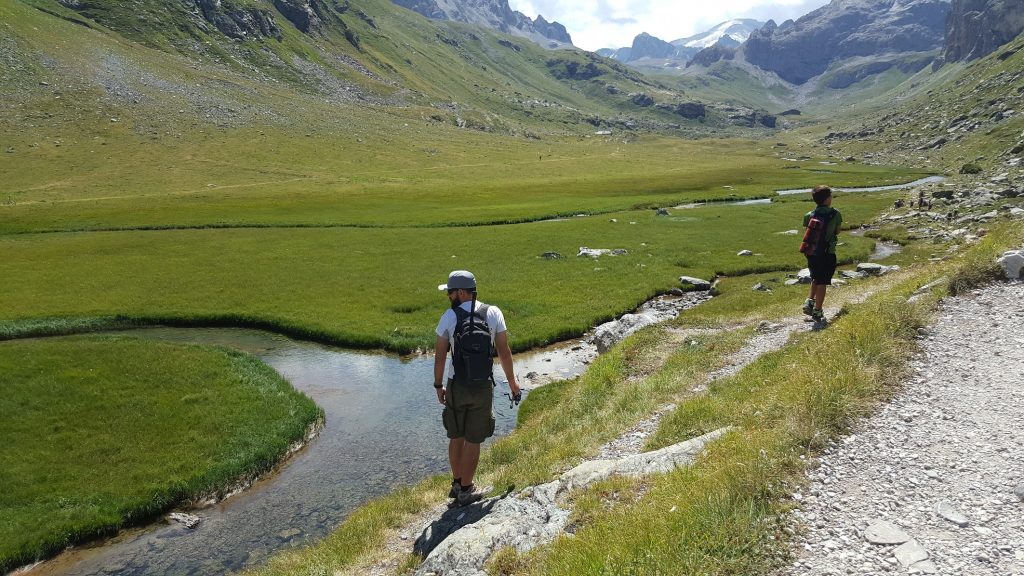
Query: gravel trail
x,y
938,472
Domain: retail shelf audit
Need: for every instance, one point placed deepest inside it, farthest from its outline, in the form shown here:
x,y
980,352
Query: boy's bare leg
x,y
819,296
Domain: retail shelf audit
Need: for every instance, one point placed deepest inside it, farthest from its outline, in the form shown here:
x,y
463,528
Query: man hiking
x,y
471,330
821,232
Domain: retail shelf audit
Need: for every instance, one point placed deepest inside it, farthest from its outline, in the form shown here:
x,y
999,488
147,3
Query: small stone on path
x,y
910,553
883,532
946,510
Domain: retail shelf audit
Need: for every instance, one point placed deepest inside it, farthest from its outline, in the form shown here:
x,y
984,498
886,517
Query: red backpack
x,y
815,240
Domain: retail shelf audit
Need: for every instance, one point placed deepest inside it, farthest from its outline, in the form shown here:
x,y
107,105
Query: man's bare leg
x,y
470,459
455,451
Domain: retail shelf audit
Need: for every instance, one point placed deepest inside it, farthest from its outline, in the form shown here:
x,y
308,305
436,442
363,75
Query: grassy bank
x,y
329,284
102,433
721,516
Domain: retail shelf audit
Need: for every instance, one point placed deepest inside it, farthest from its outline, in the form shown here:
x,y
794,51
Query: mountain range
x,y
646,47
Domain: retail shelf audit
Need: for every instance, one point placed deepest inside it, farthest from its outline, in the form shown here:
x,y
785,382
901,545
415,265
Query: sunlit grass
x,y
103,433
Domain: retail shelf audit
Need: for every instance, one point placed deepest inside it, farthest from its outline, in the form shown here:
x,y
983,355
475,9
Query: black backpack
x,y
471,352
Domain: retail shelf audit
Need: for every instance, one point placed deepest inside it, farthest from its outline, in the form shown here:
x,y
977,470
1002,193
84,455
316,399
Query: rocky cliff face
x,y
237,22
495,14
975,28
798,51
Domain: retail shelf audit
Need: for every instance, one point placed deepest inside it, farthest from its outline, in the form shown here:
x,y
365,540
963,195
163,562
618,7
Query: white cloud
x,y
614,23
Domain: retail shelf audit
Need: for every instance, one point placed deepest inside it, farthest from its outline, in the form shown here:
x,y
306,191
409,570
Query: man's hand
x,y
517,392
440,394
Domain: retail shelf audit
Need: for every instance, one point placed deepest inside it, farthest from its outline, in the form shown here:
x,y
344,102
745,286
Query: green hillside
x,y
318,172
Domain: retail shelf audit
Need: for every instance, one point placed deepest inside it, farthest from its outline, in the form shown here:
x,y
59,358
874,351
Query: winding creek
x,y
382,430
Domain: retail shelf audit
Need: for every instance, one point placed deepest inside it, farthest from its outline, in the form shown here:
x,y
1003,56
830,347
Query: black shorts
x,y
823,267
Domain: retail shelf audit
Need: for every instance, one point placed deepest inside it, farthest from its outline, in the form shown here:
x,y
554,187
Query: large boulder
x,y
873,269
696,283
1013,264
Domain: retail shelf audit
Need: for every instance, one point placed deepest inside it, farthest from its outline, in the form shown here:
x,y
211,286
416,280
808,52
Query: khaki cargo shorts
x,y
467,412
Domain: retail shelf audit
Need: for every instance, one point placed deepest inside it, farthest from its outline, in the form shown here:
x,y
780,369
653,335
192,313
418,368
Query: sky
x,y
595,24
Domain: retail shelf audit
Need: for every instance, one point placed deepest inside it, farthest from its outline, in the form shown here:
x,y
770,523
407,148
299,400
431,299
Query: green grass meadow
x,y
376,287
102,433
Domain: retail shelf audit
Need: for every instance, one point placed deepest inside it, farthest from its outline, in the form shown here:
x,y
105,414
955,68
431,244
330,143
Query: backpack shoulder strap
x,y
481,311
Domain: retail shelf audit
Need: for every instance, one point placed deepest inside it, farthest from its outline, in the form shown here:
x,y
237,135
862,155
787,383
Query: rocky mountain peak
x,y
494,14
843,29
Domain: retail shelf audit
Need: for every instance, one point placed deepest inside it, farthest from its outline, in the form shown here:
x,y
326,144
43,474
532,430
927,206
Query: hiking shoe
x,y
469,495
818,315
809,307
454,492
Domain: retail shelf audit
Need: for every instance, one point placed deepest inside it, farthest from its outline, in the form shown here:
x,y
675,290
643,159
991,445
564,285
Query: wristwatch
x,y
439,386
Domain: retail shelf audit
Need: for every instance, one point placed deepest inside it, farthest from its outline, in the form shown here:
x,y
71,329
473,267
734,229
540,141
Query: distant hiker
x,y
821,230
472,330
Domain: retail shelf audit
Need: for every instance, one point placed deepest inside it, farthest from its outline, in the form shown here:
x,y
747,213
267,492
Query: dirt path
x,y
934,482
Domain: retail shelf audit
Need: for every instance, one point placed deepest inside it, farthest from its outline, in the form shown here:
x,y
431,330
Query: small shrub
x,y
970,168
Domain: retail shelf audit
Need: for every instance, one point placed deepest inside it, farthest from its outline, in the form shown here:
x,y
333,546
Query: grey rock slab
x,y
910,553
924,567
884,532
697,283
872,268
946,510
663,460
534,516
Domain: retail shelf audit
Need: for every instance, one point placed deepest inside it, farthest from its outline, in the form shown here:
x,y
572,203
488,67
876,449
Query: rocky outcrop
x,y
653,312
688,110
306,15
552,30
238,22
798,51
976,28
537,514
494,14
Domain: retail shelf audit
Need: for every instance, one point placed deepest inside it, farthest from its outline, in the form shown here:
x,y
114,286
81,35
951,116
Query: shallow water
x,y
383,429
928,180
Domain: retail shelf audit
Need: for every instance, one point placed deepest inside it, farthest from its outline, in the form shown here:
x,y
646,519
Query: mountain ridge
x,y
494,14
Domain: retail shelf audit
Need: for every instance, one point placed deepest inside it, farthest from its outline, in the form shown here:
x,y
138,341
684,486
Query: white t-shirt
x,y
446,328
495,321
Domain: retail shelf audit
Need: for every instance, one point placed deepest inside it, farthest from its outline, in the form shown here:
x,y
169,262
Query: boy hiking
x,y
821,230
471,330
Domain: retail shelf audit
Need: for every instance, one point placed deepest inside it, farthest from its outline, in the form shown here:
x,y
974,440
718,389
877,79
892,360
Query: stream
x,y
382,430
